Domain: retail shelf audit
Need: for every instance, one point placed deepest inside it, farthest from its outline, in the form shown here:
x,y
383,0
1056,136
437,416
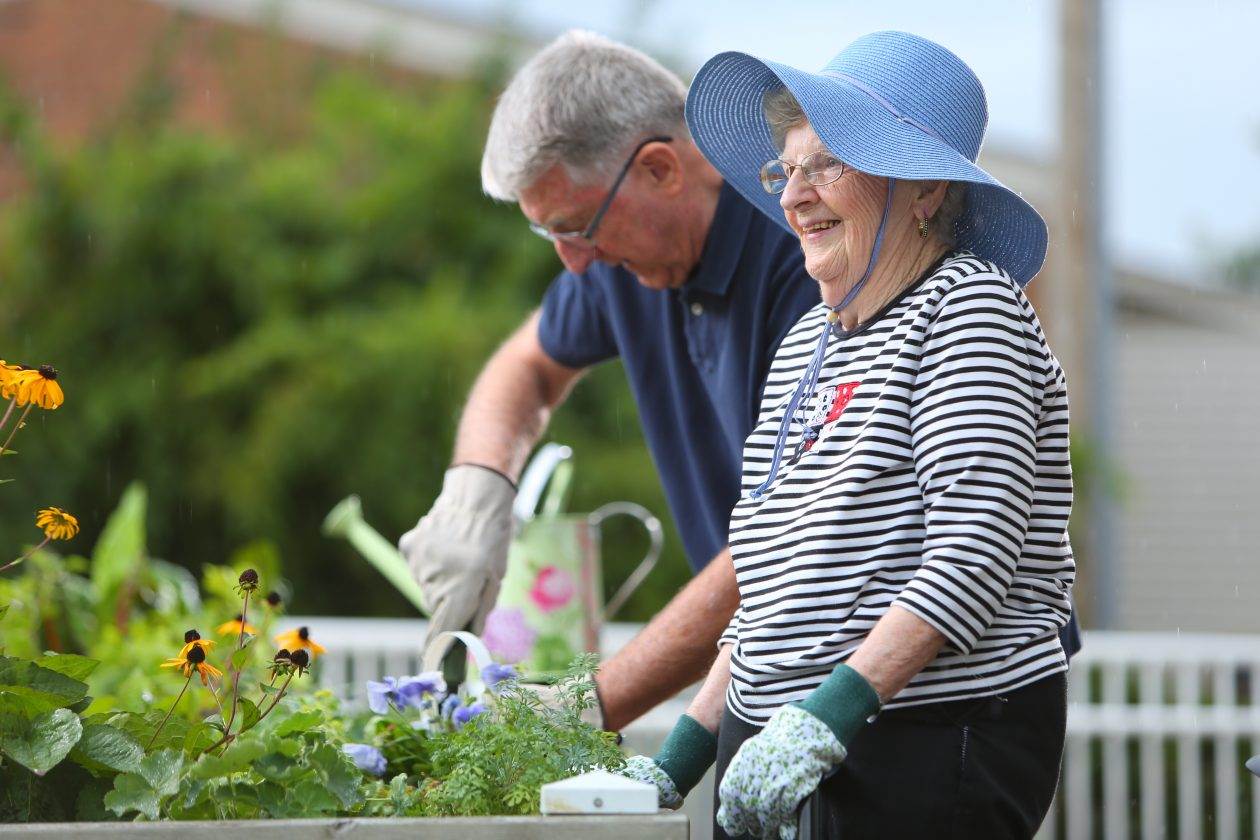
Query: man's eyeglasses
x,y
587,235
819,169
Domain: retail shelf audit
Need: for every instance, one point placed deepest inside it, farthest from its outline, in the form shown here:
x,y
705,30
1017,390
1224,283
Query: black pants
x,y
984,769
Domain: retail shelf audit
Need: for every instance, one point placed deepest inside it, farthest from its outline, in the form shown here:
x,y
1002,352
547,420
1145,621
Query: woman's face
x,y
836,222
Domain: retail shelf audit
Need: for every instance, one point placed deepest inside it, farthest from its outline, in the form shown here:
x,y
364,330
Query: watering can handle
x,y
435,651
655,533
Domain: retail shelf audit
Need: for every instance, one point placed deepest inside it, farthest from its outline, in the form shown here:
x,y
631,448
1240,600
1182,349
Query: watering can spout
x,y
346,520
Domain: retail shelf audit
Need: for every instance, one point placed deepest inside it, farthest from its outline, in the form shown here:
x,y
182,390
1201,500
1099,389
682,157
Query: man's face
x,y
634,233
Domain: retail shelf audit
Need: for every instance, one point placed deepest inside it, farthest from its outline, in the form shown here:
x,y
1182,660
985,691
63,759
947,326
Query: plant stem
x,y
8,412
263,699
228,737
13,563
236,676
16,426
168,712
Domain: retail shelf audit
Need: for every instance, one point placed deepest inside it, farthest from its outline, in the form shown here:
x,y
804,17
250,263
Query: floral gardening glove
x,y
774,771
682,761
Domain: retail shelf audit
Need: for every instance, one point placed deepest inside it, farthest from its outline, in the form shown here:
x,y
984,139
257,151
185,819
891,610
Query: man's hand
x,y
458,551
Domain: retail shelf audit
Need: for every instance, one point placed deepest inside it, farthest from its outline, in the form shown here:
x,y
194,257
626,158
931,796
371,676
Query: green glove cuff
x,y
844,702
687,754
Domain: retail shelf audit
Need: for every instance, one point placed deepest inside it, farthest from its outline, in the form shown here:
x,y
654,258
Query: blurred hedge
x,y
256,326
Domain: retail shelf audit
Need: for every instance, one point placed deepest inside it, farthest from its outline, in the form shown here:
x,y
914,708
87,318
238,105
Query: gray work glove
x,y
458,550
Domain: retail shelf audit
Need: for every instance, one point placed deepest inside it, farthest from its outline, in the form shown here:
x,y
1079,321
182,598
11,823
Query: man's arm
x,y
511,402
676,648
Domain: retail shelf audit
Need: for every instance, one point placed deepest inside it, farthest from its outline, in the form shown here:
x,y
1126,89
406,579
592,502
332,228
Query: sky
x,y
1181,108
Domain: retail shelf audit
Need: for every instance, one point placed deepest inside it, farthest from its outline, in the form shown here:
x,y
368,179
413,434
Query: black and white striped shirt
x,y
939,482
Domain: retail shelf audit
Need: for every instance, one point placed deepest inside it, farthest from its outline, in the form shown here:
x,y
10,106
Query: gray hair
x,y
784,113
582,102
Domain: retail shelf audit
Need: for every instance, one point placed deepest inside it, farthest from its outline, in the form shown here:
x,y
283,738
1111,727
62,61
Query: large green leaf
x,y
298,721
73,666
238,756
45,689
132,793
341,777
119,554
161,771
40,744
105,747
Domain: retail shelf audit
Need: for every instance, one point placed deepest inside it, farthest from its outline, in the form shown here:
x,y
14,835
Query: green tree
x,y
256,327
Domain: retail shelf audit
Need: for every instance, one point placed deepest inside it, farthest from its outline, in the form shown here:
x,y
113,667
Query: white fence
x,y
1159,726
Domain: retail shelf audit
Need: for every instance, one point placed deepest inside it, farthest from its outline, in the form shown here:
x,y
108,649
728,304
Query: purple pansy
x,y
449,705
494,674
464,714
402,692
366,757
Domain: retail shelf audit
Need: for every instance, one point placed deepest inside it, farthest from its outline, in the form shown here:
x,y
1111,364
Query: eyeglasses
x,y
587,235
819,169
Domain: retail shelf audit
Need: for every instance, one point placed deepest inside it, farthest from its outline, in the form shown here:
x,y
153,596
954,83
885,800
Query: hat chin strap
x,y
809,380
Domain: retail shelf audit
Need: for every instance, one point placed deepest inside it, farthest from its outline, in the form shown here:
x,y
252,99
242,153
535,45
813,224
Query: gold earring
x,y
923,228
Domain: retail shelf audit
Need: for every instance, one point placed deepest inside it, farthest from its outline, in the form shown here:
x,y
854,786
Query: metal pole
x,y
1083,302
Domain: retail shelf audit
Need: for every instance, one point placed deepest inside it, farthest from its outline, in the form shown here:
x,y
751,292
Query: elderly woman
x,y
901,547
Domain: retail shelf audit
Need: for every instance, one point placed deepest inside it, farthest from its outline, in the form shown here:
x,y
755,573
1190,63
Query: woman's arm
x,y
899,646
710,701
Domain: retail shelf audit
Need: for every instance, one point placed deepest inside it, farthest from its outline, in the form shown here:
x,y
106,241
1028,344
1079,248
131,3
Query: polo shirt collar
x,y
723,245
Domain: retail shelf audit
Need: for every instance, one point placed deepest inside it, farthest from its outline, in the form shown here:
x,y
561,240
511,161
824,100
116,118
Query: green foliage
x,y
257,329
498,763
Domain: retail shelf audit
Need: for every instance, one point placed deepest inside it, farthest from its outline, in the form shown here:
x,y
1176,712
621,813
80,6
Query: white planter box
x,y
631,827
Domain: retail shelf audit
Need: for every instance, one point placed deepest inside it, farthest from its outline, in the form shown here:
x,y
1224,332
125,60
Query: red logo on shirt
x,y
832,401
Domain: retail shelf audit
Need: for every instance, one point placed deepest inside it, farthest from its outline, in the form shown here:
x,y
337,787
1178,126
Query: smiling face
x,y
837,222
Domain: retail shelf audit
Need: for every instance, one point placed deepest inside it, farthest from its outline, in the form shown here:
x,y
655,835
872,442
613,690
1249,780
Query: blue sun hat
x,y
890,104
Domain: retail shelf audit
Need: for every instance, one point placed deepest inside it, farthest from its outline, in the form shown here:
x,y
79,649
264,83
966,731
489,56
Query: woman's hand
x,y
773,772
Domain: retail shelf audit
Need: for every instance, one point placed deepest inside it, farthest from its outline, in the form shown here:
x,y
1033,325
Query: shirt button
x,y
697,308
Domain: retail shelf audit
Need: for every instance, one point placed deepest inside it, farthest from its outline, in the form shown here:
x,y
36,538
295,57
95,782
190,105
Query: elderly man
x,y
668,269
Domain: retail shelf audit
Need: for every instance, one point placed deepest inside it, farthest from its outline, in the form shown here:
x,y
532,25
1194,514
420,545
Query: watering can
x,y
550,604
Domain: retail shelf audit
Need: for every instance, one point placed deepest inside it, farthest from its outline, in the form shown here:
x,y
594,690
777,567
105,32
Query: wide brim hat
x,y
890,104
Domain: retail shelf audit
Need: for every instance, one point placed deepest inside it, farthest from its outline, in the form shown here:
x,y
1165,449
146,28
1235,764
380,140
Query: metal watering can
x,y
550,605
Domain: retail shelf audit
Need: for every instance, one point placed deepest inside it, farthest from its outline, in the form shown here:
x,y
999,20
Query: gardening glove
x,y
458,550
680,764
774,771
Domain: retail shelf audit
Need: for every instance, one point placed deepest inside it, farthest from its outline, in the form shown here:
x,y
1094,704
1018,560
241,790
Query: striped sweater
x,y
938,481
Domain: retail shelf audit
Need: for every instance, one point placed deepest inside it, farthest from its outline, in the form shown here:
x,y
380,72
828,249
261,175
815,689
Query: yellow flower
x,y
8,375
40,387
235,627
192,639
299,639
11,379
194,660
57,524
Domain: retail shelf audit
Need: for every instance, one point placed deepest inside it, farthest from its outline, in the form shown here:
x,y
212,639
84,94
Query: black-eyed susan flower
x,y
247,582
56,523
298,640
301,660
39,387
194,660
9,379
235,627
193,639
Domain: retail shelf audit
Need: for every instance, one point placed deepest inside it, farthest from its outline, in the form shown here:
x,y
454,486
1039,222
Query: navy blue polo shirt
x,y
696,357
